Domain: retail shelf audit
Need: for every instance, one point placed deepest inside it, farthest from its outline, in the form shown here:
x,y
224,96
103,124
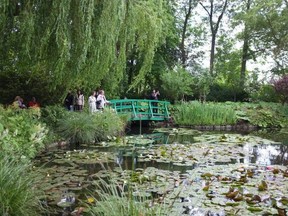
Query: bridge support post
x,y
140,126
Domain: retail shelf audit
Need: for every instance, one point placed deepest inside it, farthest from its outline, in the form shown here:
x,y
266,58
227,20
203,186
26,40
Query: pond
x,y
193,172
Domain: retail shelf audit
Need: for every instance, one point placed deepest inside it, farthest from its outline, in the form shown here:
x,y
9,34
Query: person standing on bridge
x,y
154,96
101,100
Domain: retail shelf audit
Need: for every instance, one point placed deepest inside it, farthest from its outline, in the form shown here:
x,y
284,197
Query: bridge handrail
x,y
142,109
138,100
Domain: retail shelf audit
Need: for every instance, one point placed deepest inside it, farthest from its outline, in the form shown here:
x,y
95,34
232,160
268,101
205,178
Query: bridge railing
x,y
140,109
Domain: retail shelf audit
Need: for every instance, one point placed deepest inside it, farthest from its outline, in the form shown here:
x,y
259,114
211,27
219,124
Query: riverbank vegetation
x,y
25,134
18,192
261,115
120,199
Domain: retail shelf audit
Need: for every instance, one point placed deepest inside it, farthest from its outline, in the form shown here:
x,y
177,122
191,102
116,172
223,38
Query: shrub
x,y
18,195
52,114
177,84
77,128
109,124
266,93
281,87
21,134
83,127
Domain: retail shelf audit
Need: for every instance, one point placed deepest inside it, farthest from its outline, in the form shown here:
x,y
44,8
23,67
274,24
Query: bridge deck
x,y
153,110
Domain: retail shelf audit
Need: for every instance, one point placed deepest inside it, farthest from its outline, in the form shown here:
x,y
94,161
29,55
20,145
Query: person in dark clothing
x,y
69,101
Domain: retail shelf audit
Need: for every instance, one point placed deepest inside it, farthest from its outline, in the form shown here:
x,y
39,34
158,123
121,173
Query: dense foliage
x,y
87,44
127,47
21,132
177,84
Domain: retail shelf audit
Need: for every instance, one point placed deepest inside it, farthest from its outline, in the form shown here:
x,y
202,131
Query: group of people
x,y
96,101
74,102
19,103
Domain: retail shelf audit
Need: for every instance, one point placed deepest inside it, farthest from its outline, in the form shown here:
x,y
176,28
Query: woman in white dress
x,y
92,102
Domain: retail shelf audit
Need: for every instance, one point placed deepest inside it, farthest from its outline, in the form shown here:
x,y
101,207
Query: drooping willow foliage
x,y
81,42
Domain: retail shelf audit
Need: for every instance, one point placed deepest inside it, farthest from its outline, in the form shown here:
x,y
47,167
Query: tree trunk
x,y
245,51
212,54
183,53
214,29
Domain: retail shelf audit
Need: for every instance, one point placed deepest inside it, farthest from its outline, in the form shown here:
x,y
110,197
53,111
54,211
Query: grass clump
x,y
83,127
196,113
112,199
18,195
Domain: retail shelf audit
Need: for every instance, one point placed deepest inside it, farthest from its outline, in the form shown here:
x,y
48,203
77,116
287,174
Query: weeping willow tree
x,y
87,43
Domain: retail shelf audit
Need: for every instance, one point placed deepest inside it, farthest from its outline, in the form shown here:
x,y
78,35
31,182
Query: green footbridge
x,y
139,109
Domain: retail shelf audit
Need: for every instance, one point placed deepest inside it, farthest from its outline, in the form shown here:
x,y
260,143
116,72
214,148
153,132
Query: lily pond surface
x,y
189,172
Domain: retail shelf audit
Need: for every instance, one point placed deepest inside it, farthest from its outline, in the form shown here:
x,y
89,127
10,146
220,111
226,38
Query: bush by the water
x,y
196,113
83,127
18,194
21,133
52,114
262,114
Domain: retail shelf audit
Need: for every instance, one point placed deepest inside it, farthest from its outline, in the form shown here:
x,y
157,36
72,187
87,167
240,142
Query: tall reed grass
x,y
196,113
18,194
114,200
83,127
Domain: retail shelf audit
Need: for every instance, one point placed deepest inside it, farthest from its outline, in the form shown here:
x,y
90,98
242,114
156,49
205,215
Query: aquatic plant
x,y
77,128
220,174
109,123
262,114
196,113
86,128
18,194
115,199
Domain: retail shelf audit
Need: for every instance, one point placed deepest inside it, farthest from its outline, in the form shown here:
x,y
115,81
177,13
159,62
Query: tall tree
x,y
268,25
227,66
187,9
214,9
245,48
81,42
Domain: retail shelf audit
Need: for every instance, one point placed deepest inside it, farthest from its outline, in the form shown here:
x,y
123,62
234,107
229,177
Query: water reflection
x,y
127,157
259,154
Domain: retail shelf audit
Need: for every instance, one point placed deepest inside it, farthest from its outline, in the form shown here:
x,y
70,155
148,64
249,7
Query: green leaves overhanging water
x,y
83,41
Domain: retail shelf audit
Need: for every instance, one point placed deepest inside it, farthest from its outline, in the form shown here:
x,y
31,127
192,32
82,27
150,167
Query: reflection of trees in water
x,y
270,154
281,158
278,135
180,139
